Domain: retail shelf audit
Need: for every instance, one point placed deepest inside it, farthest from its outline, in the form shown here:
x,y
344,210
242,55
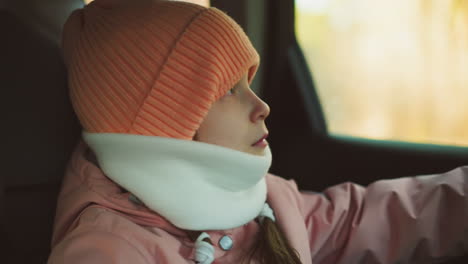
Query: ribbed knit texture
x,y
152,67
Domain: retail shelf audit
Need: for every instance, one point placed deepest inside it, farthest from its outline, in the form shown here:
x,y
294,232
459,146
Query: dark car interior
x,y
45,130
40,129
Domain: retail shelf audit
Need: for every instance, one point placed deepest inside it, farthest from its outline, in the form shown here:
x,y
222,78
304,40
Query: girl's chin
x,y
256,151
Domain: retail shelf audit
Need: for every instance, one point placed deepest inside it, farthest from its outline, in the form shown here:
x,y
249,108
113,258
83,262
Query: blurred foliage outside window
x,y
389,69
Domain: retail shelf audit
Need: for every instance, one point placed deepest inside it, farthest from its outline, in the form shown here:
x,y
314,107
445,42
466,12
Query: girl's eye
x,y
230,92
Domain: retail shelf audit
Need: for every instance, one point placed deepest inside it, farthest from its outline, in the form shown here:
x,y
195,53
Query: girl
x,y
173,166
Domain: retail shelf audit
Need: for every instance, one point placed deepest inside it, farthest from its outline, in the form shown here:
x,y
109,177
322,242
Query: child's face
x,y
236,121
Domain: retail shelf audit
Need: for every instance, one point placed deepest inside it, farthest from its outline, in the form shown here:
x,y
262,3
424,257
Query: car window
x,y
389,69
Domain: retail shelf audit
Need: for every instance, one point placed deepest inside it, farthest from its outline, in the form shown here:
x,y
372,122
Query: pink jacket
x,y
406,220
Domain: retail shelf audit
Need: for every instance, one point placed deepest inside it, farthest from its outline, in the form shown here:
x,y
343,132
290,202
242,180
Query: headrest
x,y
46,17
39,128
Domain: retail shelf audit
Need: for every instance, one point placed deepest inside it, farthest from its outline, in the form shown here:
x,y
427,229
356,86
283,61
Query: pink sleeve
x,y
95,247
403,220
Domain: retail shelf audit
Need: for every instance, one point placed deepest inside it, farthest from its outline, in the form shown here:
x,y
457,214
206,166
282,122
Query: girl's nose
x,y
261,109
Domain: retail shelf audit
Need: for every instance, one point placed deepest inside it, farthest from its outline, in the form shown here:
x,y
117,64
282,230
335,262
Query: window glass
x,y
389,69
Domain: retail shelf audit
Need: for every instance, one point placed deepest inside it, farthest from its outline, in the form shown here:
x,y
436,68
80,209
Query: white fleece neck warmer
x,y
196,186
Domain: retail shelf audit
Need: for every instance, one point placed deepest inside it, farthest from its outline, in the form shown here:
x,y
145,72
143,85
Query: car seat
x,y
39,128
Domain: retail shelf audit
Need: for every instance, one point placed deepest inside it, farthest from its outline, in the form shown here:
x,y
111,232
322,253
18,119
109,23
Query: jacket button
x,y
226,243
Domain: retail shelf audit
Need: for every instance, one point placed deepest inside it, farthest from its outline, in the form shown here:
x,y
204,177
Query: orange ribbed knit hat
x,y
152,67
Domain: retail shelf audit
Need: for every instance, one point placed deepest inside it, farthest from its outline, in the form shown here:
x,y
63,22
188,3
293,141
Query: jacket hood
x,y
85,185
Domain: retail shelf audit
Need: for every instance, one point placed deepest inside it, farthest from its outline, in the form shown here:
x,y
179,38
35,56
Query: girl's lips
x,y
261,142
